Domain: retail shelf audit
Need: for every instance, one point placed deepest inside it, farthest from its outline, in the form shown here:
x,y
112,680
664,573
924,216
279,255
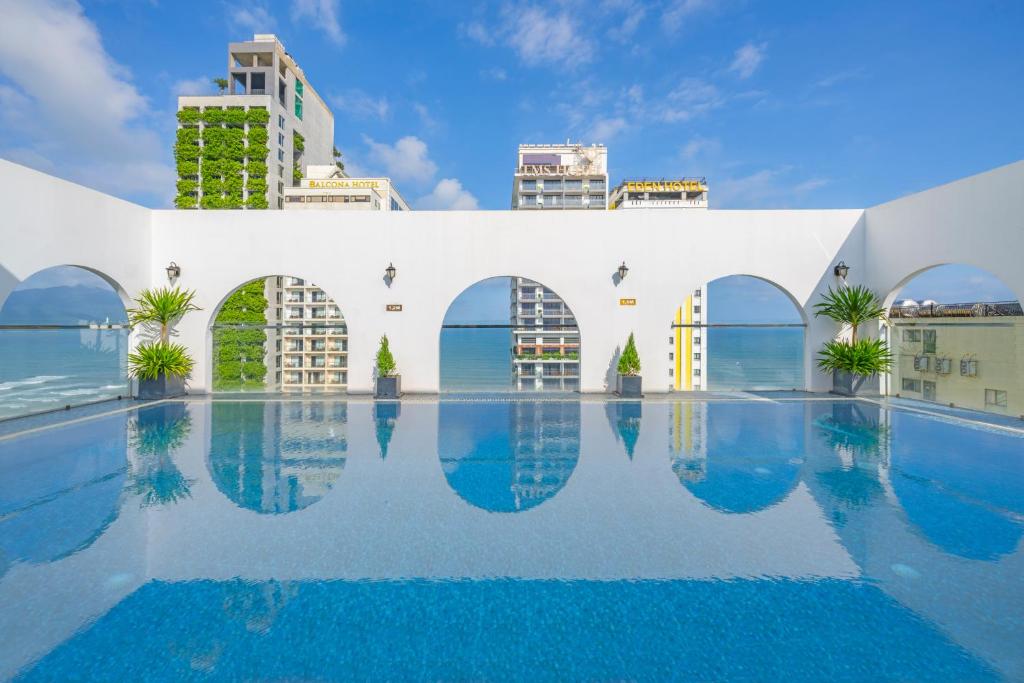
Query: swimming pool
x,y
513,540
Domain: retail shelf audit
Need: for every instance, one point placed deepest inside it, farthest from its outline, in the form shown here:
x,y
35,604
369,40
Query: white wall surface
x,y
439,254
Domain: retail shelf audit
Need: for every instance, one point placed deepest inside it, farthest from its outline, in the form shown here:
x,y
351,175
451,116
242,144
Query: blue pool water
x,y
513,540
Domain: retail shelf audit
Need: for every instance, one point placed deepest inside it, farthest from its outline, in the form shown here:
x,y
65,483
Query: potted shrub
x,y
628,382
160,365
389,382
855,363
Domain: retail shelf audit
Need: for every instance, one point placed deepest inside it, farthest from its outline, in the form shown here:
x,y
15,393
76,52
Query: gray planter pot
x,y
164,386
849,384
388,387
629,386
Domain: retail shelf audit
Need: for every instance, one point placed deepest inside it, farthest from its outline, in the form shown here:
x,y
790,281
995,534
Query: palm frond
x,y
149,361
864,357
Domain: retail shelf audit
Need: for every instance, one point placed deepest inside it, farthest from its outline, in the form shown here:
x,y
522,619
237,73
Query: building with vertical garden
x,y
240,149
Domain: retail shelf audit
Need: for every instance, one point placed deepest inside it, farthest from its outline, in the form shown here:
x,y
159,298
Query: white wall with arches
x,y
437,255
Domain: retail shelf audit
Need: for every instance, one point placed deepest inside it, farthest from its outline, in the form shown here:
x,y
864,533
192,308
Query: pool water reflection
x,y
557,539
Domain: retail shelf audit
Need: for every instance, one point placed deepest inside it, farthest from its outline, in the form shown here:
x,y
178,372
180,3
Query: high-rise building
x,y
243,147
545,337
328,187
689,341
561,177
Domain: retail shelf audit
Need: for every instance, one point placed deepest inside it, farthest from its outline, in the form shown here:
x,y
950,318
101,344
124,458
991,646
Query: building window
x,y
280,188
280,121
291,199
911,384
696,356
280,155
911,335
280,139
696,309
280,171
929,341
995,398
298,107
696,341
528,185
928,390
696,372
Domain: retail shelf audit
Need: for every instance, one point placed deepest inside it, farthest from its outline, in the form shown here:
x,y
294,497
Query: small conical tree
x,y
385,361
629,361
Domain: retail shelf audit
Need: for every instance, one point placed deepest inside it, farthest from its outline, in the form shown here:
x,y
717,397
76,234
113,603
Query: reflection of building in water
x,y
687,430
545,338
970,355
307,344
545,448
277,457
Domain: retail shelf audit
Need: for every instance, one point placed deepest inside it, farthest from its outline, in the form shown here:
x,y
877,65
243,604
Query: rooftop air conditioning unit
x,y
969,367
943,366
922,363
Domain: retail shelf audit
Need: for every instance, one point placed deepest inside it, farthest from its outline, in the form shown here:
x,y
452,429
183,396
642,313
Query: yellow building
x,y
967,355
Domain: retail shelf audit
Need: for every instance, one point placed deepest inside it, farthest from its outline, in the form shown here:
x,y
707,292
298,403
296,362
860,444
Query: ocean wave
x,y
78,392
29,381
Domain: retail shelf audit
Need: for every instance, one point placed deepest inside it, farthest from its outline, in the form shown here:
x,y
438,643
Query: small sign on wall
x,y
394,308
627,302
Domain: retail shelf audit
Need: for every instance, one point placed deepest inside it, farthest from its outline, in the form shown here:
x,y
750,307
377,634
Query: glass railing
x,y
49,367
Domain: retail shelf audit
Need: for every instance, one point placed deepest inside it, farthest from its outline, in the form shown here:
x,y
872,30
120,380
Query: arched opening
x,y
279,333
63,341
738,332
957,337
509,334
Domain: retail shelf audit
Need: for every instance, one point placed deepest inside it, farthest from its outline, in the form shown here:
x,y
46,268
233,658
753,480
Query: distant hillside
x,y
62,306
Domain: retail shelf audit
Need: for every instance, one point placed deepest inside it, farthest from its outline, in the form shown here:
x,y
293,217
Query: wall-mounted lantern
x,y
841,270
173,271
623,270
390,272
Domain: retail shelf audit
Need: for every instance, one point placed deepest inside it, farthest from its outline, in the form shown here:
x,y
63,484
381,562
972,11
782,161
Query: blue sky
x,y
779,104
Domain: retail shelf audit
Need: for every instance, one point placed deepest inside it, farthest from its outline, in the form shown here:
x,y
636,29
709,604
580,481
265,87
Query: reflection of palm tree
x,y
857,440
154,475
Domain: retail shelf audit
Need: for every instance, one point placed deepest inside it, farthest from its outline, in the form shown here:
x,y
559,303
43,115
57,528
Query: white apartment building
x,y
545,339
569,176
298,125
307,338
688,342
328,187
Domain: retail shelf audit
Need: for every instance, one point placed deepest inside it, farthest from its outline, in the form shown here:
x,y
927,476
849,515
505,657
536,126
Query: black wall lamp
x,y
173,271
841,270
390,272
623,270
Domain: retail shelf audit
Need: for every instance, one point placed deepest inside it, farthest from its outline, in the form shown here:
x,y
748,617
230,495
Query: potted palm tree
x,y
160,365
855,363
389,382
629,383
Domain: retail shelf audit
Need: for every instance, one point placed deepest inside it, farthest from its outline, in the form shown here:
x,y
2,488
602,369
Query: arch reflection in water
x,y
963,496
60,489
508,456
277,457
734,457
624,419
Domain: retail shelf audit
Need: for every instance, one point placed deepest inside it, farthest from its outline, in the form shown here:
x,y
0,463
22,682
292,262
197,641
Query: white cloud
x,y
810,185
604,130
361,105
405,160
424,113
627,15
495,74
698,148
321,14
747,59
252,18
678,11
539,37
53,59
475,30
692,97
448,194
203,85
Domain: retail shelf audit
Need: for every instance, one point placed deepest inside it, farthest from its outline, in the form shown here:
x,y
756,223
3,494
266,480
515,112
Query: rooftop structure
x,y
679,193
241,148
328,187
569,176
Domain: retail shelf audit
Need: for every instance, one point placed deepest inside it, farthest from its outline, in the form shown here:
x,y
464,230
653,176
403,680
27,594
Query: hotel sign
x,y
342,184
553,169
666,186
627,302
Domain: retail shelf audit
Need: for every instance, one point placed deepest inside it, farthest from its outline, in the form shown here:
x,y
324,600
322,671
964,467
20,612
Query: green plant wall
x,y
219,152
239,352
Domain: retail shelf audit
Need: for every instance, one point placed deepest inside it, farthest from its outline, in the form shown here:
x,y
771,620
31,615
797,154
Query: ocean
x,y
46,369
